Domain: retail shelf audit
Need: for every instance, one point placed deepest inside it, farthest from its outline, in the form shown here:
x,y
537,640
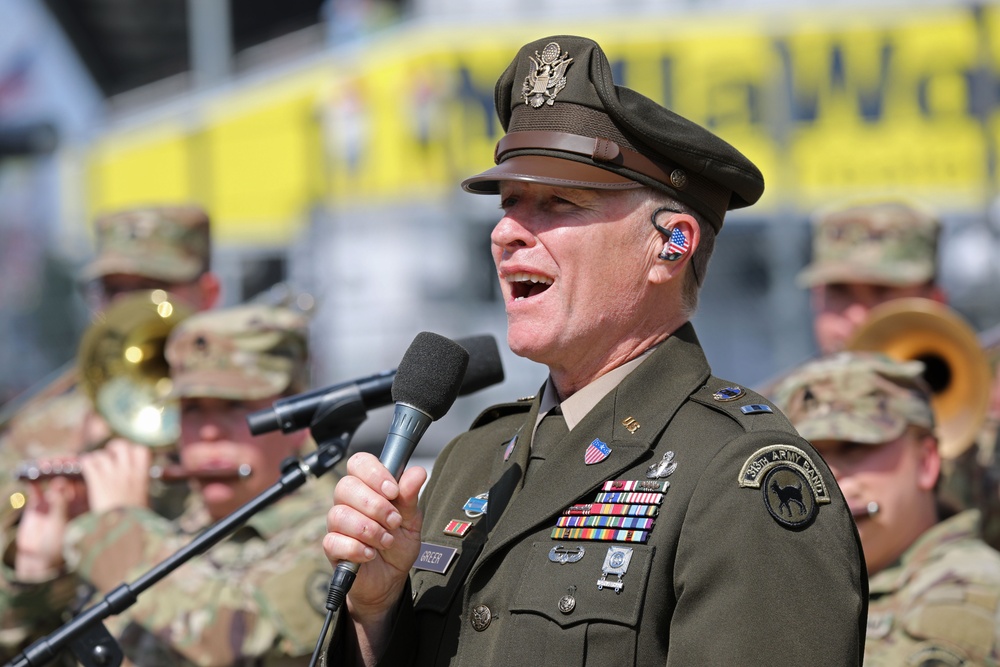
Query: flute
x,y
37,471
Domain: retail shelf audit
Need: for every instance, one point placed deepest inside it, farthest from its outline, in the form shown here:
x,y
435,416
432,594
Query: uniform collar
x,y
577,406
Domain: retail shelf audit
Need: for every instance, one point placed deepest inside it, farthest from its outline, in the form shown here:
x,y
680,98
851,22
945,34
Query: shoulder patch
x,y
791,486
495,412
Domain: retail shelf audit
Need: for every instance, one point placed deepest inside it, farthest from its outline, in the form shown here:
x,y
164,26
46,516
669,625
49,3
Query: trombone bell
x,y
123,369
956,368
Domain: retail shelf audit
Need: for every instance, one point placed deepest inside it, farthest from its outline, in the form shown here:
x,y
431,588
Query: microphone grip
x,y
408,426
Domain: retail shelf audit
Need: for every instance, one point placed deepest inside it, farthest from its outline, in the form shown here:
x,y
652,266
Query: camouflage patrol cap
x,y
569,125
891,243
240,353
861,397
170,243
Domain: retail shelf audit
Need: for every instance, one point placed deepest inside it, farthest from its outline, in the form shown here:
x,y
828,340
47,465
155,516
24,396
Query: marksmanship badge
x,y
615,563
549,76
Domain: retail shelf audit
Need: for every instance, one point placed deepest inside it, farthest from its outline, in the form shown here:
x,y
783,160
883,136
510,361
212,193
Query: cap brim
x,y
848,428
232,386
546,171
170,269
825,274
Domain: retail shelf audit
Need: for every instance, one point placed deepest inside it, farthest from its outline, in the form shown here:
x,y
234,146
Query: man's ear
x,y
929,468
677,247
211,289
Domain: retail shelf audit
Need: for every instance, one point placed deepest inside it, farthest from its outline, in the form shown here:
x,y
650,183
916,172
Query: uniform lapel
x,y
629,420
509,474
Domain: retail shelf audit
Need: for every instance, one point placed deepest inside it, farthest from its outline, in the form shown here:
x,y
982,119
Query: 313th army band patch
x,y
792,487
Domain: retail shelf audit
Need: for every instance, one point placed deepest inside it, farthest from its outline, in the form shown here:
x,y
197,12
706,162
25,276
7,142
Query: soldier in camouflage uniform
x,y
257,597
934,584
161,247
141,249
866,254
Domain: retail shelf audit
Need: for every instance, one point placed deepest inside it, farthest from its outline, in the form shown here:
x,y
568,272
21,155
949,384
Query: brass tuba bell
x,y
123,369
956,368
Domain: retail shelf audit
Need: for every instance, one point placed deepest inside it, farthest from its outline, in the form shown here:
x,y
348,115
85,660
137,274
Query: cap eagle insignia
x,y
548,78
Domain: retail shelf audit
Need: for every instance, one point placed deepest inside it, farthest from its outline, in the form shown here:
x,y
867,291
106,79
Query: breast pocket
x,y
573,613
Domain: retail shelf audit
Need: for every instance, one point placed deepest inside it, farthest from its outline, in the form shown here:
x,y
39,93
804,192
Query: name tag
x,y
434,557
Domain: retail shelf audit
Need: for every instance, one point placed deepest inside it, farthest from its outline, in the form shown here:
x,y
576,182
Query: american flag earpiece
x,y
677,246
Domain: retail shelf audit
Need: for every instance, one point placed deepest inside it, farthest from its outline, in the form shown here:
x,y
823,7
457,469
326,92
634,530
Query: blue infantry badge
x,y
596,452
662,468
510,447
476,506
728,394
615,562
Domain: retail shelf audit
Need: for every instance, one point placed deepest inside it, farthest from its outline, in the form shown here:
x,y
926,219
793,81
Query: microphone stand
x,y
333,426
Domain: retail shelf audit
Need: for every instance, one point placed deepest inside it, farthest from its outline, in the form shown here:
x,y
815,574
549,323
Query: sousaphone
x,y
956,368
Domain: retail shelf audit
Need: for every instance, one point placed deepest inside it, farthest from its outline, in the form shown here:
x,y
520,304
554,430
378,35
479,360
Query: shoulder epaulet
x,y
751,410
495,412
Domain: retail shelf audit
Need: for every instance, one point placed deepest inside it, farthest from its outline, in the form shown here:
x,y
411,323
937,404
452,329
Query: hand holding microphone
x,y
375,520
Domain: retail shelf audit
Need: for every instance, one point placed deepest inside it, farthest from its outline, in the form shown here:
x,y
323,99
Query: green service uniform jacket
x,y
938,605
752,558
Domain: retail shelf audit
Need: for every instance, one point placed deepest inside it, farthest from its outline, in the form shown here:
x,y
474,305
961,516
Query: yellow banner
x,y
827,105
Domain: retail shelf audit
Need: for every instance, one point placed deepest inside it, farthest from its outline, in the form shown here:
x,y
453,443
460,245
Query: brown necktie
x,y
549,432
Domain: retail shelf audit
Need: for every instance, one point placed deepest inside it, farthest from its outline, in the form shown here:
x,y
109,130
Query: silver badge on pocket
x,y
563,555
615,562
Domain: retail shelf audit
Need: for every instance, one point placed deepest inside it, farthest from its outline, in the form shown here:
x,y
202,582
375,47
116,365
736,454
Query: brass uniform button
x,y
481,617
567,604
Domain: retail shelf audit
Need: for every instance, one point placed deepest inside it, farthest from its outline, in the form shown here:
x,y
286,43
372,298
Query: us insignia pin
x,y
631,424
596,452
547,76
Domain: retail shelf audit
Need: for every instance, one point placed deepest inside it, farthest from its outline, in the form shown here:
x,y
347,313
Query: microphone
x,y
427,382
297,412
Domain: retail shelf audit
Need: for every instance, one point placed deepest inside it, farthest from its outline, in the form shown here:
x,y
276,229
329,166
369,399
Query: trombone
x,y
956,367
123,369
